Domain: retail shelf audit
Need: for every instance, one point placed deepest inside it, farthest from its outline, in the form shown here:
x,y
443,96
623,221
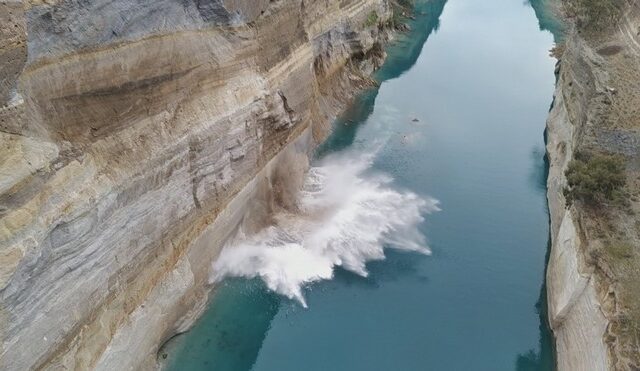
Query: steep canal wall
x,y
592,273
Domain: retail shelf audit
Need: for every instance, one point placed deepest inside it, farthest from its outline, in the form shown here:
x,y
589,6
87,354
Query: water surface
x,y
459,116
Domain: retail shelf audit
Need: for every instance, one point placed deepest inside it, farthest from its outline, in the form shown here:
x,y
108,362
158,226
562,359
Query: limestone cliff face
x,y
134,137
593,110
574,309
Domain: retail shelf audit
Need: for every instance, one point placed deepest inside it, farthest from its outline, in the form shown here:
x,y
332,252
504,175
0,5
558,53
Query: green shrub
x,y
372,19
620,250
595,179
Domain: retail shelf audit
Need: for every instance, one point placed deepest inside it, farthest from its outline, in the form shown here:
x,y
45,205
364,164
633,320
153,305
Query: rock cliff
x,y
593,273
135,136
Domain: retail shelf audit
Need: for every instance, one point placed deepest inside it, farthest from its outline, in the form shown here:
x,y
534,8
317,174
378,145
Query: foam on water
x,y
345,218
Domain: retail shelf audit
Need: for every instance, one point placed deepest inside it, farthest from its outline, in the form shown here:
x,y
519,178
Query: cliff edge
x,y
135,136
594,268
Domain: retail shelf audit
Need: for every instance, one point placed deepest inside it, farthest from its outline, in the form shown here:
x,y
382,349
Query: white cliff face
x,y
574,308
583,296
575,315
134,141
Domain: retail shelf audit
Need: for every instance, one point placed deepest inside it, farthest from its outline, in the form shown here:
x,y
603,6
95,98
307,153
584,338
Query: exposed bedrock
x,y
595,109
135,136
574,310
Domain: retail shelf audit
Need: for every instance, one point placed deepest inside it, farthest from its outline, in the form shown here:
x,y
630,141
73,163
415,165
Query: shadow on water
x,y
547,20
229,336
230,333
540,170
401,56
544,357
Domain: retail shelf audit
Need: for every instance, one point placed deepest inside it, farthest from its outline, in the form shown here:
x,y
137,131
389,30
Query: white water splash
x,y
346,219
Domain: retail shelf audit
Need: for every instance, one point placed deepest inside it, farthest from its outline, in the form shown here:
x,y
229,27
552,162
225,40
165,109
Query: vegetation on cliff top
x,y
606,188
595,179
372,19
607,195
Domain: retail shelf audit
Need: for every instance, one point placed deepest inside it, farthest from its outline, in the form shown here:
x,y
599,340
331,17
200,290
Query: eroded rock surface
x,y
593,274
135,136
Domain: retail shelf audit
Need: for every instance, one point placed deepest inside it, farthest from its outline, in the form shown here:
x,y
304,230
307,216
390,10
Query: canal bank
x,y
458,117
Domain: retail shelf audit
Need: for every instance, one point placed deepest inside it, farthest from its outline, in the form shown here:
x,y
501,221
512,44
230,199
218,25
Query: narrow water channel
x,y
459,117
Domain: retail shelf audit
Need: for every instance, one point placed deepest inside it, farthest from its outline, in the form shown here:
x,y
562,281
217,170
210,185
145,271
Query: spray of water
x,y
345,218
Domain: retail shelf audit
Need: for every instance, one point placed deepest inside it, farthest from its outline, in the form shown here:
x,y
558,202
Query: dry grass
x,y
594,16
613,230
613,233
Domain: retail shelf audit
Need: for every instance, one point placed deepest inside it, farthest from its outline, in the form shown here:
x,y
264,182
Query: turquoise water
x,y
477,77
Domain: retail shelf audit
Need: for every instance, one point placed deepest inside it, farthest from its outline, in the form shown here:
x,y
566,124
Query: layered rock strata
x,y
135,136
